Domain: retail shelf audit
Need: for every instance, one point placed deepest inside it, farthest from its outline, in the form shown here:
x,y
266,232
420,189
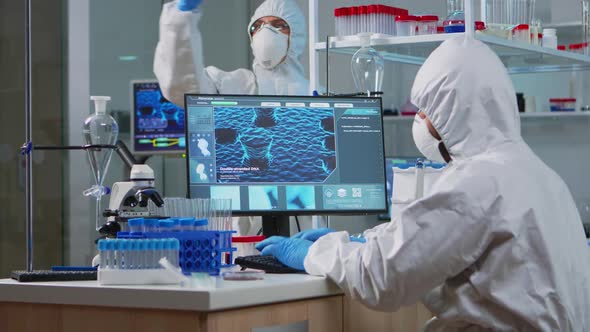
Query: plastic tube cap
x,y
150,222
201,222
100,103
135,222
187,221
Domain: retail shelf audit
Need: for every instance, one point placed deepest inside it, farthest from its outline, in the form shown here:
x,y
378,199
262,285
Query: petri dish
x,y
249,274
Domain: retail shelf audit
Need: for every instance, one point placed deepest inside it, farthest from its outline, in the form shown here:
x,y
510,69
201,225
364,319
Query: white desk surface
x,y
219,295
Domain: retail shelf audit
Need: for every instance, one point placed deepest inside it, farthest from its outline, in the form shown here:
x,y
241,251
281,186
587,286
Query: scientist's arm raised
x,y
178,62
434,239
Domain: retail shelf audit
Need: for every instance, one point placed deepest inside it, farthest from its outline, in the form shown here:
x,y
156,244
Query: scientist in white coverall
x,y
277,32
496,245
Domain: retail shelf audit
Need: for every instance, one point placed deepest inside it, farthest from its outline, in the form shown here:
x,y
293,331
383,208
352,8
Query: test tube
x,y
355,20
187,224
102,252
135,225
165,225
132,263
150,225
585,24
201,224
123,246
337,21
140,254
149,254
175,250
159,250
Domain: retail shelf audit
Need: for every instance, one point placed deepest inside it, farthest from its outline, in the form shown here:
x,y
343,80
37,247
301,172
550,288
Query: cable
x,y
298,226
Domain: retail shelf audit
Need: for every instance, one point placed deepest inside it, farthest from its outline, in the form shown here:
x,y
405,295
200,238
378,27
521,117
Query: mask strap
x,y
444,152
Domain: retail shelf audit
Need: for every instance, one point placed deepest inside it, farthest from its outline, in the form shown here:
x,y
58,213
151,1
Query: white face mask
x,y
269,47
425,142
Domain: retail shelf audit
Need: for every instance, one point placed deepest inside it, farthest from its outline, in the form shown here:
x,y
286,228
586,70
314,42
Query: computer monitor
x,y
276,156
157,125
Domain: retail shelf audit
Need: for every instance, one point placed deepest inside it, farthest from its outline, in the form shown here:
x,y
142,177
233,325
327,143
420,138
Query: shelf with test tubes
x,y
517,57
533,115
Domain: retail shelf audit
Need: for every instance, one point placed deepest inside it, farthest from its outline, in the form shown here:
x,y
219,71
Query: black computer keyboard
x,y
50,275
269,264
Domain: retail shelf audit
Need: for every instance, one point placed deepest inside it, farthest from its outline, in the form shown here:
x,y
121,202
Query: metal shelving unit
x,y
524,116
518,57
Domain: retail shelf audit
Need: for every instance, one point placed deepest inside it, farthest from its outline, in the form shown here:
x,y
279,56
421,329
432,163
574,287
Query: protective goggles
x,y
277,25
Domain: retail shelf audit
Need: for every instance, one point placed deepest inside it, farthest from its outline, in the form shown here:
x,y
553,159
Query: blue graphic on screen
x,y
300,198
158,123
274,144
263,197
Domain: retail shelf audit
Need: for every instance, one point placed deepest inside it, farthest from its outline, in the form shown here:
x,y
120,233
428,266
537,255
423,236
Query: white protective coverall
x,y
178,62
498,243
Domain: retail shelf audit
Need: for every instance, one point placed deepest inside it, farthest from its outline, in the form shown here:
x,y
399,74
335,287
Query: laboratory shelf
x,y
524,116
561,115
517,57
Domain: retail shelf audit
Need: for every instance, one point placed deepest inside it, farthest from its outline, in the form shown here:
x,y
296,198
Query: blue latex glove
x,y
290,251
266,242
188,5
313,234
359,239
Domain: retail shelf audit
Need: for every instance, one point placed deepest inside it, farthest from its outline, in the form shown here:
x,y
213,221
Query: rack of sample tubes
x,y
197,251
136,261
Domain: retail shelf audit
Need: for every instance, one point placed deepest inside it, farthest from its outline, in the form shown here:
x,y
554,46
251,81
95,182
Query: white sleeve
x,y
178,61
434,239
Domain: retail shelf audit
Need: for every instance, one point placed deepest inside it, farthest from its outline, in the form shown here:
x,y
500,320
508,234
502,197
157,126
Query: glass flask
x,y
367,67
99,129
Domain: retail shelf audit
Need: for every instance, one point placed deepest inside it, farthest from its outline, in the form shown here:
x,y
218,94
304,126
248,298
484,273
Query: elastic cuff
x,y
186,8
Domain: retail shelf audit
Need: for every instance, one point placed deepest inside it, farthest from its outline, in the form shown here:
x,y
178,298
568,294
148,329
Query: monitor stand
x,y
276,225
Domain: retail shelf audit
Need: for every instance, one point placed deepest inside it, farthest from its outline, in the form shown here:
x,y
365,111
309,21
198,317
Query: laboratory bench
x,y
286,300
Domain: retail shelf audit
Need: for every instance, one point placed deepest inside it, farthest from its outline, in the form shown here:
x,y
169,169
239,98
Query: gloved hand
x,y
188,5
359,239
271,240
289,251
313,234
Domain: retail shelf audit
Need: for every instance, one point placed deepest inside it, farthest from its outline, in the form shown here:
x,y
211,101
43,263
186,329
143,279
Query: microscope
x,y
130,199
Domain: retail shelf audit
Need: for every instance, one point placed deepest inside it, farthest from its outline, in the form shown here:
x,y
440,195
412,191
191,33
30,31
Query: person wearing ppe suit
x,y
277,32
497,244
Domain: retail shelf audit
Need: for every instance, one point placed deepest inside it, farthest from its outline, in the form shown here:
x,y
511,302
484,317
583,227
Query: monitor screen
x,y
157,125
287,155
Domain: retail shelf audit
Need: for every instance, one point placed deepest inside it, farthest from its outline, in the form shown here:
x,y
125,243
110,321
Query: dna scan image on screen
x,y
287,154
274,144
157,124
